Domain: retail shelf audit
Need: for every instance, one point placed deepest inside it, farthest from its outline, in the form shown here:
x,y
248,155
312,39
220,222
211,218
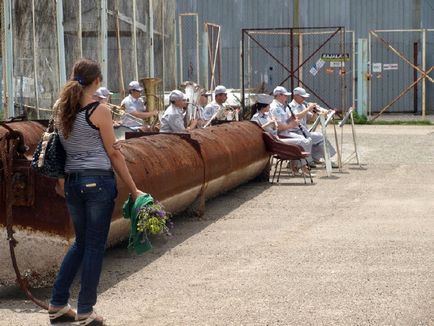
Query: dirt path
x,y
354,249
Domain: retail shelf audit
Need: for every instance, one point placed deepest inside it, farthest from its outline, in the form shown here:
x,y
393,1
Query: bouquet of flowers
x,y
147,216
152,219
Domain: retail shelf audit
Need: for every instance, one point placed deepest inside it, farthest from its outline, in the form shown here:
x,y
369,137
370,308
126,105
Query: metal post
x,y
35,59
136,71
424,69
151,35
181,63
362,82
243,104
9,59
60,42
197,50
204,59
370,64
80,30
103,40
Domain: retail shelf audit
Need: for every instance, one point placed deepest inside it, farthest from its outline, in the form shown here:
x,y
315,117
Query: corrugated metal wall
x,y
360,16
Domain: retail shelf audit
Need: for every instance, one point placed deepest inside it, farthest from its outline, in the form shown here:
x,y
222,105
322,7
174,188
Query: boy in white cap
x,y
102,95
173,118
215,109
134,104
303,111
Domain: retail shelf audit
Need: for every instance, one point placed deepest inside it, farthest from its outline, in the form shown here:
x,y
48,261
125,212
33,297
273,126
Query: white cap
x,y
280,90
135,85
177,95
264,99
300,91
220,89
103,92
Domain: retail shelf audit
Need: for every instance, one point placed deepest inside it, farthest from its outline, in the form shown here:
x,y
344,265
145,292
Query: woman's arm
x,y
102,119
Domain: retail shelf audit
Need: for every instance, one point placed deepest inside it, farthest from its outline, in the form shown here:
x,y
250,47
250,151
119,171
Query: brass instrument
x,y
153,100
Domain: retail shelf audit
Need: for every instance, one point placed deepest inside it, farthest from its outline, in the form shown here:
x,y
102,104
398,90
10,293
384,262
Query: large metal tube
x,y
178,170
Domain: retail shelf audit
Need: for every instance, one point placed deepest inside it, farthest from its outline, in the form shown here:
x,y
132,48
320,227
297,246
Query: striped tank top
x,y
84,147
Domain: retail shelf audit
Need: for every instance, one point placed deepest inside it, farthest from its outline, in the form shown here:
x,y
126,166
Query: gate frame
x,y
291,70
424,73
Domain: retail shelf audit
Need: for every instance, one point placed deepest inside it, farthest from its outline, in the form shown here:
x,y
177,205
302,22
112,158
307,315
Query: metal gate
x,y
400,71
320,59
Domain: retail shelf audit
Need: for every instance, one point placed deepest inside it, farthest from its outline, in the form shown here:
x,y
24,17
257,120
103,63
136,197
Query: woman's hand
x,y
136,194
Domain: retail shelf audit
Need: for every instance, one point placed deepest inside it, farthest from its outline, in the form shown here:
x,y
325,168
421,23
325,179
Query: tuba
x,y
153,101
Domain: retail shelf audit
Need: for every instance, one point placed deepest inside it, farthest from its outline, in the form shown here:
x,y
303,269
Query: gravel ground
x,y
352,249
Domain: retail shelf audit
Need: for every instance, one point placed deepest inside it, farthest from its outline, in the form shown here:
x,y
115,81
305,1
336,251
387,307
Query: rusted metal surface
x,y
178,170
35,203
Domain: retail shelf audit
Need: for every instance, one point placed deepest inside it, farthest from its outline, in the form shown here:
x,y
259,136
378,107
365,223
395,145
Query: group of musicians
x,y
286,121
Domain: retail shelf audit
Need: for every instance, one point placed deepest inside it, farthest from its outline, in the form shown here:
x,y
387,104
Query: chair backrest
x,y
277,147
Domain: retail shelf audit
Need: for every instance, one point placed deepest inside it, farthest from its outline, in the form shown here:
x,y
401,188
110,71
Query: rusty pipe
x,y
177,170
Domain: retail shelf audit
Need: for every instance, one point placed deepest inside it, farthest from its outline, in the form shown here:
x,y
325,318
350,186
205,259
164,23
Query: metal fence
x,y
319,59
42,39
401,71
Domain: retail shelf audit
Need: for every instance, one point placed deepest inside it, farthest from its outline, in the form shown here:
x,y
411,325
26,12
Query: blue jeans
x,y
90,201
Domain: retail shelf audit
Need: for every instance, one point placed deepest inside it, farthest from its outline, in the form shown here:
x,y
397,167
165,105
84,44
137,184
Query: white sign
x,y
390,66
376,67
319,64
313,71
337,64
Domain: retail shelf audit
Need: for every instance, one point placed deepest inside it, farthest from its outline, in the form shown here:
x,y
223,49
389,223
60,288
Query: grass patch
x,y
363,120
401,122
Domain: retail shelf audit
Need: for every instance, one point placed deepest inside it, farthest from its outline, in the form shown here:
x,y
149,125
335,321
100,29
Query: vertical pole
x,y
424,69
300,55
163,49
35,60
353,104
362,82
134,27
243,105
415,53
204,59
181,72
151,35
291,55
197,50
60,42
103,40
9,62
80,30
369,84
343,75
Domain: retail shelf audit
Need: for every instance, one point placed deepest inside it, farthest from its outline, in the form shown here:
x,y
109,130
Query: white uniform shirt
x,y
211,109
297,108
263,118
172,119
132,104
282,115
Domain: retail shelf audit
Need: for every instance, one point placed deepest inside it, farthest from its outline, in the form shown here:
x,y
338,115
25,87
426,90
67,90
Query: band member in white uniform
x,y
134,104
270,125
173,118
303,112
285,122
215,109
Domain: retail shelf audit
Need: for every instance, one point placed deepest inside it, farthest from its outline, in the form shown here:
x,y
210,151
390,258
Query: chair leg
x,y
275,168
280,162
302,172
309,169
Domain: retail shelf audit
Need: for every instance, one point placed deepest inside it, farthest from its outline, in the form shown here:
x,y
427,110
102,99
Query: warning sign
x,y
335,57
390,66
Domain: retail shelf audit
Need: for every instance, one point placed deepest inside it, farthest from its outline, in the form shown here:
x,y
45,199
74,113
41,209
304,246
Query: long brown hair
x,y
84,73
